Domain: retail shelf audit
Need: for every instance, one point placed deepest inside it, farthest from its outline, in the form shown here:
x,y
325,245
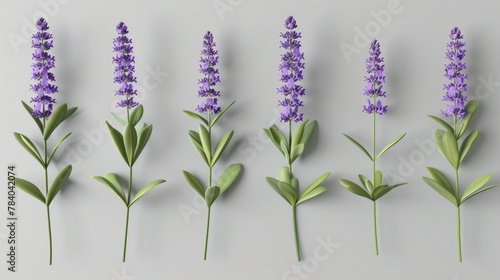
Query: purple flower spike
x,y
375,80
40,71
208,61
124,67
291,72
455,53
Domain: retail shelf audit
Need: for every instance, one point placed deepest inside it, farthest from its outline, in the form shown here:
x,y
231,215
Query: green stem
x,y
375,226
373,177
206,235
297,249
459,237
46,194
128,214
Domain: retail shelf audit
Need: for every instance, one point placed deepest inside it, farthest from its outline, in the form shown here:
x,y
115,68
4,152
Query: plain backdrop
x,y
251,234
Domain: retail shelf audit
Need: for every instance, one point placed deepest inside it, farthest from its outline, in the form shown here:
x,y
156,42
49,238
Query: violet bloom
x,y
291,72
40,71
455,52
124,67
208,61
375,80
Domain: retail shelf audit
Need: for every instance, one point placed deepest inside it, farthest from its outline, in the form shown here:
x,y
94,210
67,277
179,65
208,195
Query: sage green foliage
x,y
210,154
448,142
46,126
130,145
285,184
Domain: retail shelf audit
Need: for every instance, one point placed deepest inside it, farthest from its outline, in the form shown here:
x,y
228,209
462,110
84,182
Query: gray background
x,y
251,232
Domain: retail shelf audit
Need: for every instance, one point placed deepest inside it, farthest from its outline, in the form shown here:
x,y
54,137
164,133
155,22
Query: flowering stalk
x,y
374,189
293,145
447,140
202,140
46,118
131,143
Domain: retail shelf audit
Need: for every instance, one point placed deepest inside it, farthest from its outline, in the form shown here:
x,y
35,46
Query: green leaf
x,y
308,132
111,181
206,143
462,125
278,135
55,119
286,152
194,183
70,112
196,141
30,188
57,146
136,115
467,143
448,147
274,184
145,189
295,184
384,189
317,191
366,183
441,190
441,122
299,132
441,179
130,142
221,146
118,119
359,146
270,136
118,140
388,146
378,179
477,192
142,140
30,111
58,183
289,192
297,151
314,184
284,175
216,117
227,178
476,185
355,188
211,195
28,145
196,116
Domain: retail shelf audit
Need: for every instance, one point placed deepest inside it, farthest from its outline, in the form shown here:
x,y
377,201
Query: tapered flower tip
x,y
290,23
208,36
42,24
456,34
121,28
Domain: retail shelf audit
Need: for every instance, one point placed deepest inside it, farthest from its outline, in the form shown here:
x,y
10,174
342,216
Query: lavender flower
x,y
291,72
124,67
374,81
208,61
40,71
455,53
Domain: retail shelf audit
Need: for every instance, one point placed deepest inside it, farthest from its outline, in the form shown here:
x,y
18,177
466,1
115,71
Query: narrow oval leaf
x,y
221,146
462,125
206,143
37,120
295,183
118,119
465,198
57,146
118,140
216,117
70,112
441,122
317,191
58,183
359,146
211,195
467,143
449,149
145,189
289,192
315,184
388,146
378,179
130,142
118,191
29,146
274,184
355,188
136,115
286,152
384,189
308,132
277,134
54,120
442,180
275,141
30,189
299,132
194,183
476,185
284,175
142,140
196,116
196,141
297,151
366,183
441,190
227,178
113,179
